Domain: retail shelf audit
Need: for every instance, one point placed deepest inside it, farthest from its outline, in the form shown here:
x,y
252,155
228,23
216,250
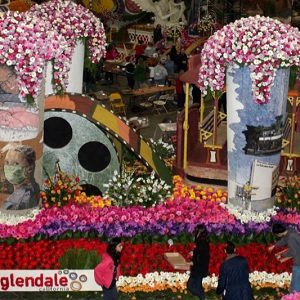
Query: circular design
x,y
84,131
94,156
59,272
91,190
75,286
83,278
57,132
73,276
66,271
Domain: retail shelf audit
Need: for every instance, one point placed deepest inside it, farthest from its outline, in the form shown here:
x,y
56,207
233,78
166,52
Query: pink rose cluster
x,y
26,43
74,22
261,43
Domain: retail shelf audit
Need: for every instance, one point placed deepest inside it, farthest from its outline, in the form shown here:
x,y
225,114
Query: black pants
x,y
109,76
110,293
180,100
194,285
130,81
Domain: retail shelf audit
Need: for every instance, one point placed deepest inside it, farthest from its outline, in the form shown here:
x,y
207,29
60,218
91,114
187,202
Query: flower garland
x,y
262,43
26,43
74,22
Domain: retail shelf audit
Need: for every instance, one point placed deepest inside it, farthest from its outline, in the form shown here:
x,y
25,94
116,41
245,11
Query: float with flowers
x,y
71,229
71,220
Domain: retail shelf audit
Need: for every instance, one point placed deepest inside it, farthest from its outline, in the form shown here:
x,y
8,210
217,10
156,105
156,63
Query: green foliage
x,y
78,258
30,100
293,76
164,150
211,95
128,156
89,67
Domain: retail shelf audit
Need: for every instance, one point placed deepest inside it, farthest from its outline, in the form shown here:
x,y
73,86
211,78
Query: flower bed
x,y
171,218
50,232
136,258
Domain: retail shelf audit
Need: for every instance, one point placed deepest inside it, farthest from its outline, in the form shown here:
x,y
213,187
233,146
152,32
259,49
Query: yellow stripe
x,y
146,153
106,118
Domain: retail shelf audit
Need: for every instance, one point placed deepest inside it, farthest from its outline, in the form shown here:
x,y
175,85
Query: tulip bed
x,y
41,238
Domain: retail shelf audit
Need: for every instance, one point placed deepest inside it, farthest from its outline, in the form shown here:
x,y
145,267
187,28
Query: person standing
x,y
157,34
160,74
200,260
291,238
182,61
179,92
108,271
141,73
129,70
233,280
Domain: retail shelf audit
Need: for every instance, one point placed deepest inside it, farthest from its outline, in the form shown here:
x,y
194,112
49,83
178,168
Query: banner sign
x,y
47,281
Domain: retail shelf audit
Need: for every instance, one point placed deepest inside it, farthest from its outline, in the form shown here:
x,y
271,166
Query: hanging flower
x,y
26,43
73,22
262,43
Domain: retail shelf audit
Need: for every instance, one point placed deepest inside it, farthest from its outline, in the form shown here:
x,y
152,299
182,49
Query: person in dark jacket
x,y
182,61
129,70
157,34
291,238
233,281
200,260
222,103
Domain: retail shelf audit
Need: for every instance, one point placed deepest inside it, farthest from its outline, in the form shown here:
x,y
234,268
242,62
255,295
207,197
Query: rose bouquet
x,y
262,43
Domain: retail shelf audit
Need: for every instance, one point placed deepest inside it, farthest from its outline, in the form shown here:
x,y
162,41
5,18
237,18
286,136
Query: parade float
x,y
54,247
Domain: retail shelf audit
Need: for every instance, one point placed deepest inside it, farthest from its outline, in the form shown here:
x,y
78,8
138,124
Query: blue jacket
x,y
233,281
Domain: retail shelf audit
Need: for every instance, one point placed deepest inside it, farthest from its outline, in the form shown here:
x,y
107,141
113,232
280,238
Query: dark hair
x,y
201,234
278,228
230,248
111,249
